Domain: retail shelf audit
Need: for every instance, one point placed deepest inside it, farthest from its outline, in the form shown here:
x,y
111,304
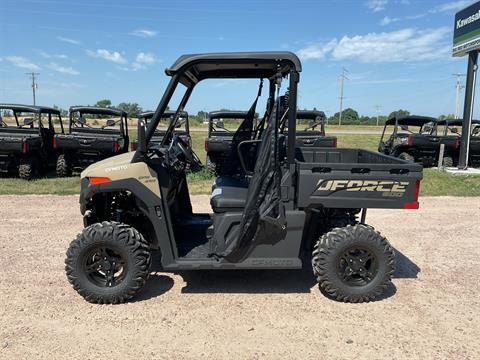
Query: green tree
x,y
132,109
448,116
399,113
349,117
104,103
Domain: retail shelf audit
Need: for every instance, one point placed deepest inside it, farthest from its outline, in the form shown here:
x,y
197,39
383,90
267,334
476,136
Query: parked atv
x,y
299,208
182,129
218,144
411,138
95,133
26,141
450,132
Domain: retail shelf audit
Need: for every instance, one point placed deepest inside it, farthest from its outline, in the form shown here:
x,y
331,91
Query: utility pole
x,y
378,107
458,90
34,83
343,77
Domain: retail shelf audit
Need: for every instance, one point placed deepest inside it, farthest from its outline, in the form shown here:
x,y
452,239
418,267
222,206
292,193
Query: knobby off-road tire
x,y
447,161
340,221
353,263
406,156
27,169
63,167
108,263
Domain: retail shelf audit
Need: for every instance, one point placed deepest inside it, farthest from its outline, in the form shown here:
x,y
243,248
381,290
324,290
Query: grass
x,y
435,183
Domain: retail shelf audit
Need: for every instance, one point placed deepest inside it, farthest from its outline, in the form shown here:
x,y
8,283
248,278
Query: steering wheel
x,y
191,158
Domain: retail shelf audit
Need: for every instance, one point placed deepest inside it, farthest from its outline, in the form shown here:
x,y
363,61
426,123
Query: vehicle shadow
x,y
157,285
248,281
405,268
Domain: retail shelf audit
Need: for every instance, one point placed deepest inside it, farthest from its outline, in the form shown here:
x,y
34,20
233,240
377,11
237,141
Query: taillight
x,y
54,142
335,142
414,205
24,146
94,180
115,146
206,144
133,146
410,140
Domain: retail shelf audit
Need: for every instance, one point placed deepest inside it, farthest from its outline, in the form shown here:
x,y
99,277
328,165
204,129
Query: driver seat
x,y
228,198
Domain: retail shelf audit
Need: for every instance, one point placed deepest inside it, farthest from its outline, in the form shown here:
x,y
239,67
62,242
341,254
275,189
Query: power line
x,y
34,84
343,77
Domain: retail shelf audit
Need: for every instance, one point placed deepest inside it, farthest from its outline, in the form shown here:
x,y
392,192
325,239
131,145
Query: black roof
x,y
149,114
229,114
98,110
455,122
30,108
310,114
413,120
196,67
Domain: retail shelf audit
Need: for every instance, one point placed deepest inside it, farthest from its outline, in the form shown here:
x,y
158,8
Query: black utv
x,y
412,138
450,132
218,143
182,129
300,207
95,133
27,138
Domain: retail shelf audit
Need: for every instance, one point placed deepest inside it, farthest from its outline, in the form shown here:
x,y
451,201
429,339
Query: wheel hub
x,y
357,266
104,267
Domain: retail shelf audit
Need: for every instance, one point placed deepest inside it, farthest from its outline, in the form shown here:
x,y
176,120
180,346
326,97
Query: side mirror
x,y
28,121
110,122
454,130
404,127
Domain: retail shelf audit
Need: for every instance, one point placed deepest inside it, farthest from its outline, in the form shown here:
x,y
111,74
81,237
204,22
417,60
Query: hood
x,y
103,167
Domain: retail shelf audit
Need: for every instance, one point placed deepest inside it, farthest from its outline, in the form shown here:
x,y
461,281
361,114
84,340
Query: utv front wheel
x,y
27,169
448,161
108,263
406,156
63,167
353,263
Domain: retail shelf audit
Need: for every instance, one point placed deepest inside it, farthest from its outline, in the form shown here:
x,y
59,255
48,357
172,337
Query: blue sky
x,y
397,52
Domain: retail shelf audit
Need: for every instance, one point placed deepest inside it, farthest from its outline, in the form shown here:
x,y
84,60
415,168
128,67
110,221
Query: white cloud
x,y
68,40
145,33
22,62
388,20
317,51
377,5
403,45
62,69
452,6
55,56
105,54
143,60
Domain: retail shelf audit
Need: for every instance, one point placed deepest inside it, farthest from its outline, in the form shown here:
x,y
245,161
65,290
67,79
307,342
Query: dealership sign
x,y
466,35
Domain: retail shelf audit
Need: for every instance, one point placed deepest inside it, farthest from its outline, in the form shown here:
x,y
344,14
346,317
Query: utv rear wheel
x,y
63,167
27,169
210,165
406,156
353,263
448,161
108,263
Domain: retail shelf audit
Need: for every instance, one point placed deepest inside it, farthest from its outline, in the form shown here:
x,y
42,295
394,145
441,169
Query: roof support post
x,y
292,115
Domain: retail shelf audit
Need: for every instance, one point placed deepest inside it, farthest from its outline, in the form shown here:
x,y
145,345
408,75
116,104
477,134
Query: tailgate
x,y
17,142
316,141
219,144
89,144
356,178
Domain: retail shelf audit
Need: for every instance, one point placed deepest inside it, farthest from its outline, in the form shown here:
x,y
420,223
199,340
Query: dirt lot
x,y
431,311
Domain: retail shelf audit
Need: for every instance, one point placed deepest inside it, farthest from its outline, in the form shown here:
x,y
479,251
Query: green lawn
x,y
435,183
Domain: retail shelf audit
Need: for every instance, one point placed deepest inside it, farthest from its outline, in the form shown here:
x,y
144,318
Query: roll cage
x,y
411,120
448,123
96,110
189,70
37,110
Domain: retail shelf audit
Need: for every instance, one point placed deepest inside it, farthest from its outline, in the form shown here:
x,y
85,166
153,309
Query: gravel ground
x,y
431,311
